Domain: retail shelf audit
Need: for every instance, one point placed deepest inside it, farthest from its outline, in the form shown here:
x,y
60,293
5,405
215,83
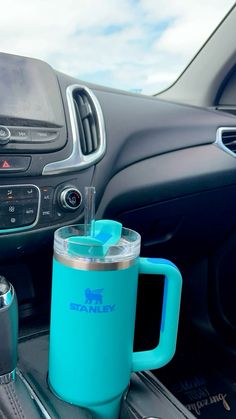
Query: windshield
x,y
136,45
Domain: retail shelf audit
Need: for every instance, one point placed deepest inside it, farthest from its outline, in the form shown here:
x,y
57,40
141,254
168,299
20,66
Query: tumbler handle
x,y
164,351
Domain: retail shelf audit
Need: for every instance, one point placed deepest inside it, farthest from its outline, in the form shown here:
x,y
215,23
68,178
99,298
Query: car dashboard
x,y
58,135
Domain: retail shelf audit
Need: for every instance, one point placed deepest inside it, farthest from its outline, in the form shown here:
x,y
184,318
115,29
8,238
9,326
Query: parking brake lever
x,y
8,331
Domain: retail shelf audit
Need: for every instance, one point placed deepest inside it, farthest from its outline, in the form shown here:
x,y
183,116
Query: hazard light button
x,y
14,163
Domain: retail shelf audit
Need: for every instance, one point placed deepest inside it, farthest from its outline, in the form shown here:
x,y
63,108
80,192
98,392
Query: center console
x,y
146,397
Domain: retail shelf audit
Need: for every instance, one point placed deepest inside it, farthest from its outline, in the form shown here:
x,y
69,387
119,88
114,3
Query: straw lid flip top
x,y
106,233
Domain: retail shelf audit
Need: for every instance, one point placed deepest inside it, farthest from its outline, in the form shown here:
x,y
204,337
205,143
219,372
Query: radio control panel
x,y
33,139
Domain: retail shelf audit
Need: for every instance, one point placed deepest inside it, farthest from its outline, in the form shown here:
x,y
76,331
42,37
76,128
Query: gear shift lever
x,y
8,331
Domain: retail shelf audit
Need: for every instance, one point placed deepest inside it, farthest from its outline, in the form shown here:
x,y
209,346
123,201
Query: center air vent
x,y
87,120
88,131
226,139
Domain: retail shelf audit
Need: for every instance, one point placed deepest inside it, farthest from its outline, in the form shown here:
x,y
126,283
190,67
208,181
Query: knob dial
x,y
70,199
5,135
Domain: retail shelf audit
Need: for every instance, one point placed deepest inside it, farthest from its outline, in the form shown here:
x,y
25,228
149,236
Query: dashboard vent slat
x,y
88,134
229,140
87,122
226,139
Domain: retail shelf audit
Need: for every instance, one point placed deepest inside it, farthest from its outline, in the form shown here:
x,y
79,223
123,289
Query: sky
x,y
136,45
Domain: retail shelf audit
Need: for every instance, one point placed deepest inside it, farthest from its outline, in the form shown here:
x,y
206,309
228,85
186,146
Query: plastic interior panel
x,y
166,177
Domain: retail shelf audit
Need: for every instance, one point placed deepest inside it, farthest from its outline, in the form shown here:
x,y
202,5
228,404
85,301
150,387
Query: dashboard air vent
x,y
229,140
88,131
87,121
226,139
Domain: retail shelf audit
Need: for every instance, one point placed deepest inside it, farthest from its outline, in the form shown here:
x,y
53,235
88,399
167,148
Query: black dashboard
x,y
58,135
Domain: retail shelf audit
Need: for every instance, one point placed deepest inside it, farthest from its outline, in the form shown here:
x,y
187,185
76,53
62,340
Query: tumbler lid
x,y
106,233
110,242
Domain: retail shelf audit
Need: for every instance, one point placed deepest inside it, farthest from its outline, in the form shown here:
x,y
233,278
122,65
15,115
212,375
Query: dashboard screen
x,y
29,90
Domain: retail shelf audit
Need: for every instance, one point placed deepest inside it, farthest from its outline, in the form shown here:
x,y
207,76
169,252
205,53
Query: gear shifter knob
x,y
8,331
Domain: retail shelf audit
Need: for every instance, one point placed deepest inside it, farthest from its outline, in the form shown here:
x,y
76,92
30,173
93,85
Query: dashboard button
x,y
58,215
43,135
46,215
11,221
7,194
10,207
20,134
29,208
5,135
29,215
14,163
29,192
46,194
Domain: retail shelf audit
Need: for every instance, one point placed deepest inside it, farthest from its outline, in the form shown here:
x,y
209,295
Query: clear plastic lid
x,y
70,242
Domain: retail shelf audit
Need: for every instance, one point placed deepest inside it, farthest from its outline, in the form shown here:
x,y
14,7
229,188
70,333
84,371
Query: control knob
x,y
70,199
5,135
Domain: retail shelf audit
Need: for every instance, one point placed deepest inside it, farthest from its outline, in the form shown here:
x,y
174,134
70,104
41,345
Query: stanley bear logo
x,y
93,296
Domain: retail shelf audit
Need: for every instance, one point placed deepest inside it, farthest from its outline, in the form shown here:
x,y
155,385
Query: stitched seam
x,y
14,411
17,402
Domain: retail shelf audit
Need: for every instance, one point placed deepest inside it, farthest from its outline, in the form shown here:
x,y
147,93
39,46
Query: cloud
x,y
129,44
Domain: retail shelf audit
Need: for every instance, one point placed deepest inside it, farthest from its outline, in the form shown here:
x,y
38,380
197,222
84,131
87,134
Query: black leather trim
x,y
15,402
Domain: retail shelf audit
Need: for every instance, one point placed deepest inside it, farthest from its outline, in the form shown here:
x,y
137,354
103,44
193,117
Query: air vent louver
x,y
88,133
87,122
228,138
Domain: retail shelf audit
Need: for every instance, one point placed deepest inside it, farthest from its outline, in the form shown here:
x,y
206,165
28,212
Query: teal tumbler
x,y
94,292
